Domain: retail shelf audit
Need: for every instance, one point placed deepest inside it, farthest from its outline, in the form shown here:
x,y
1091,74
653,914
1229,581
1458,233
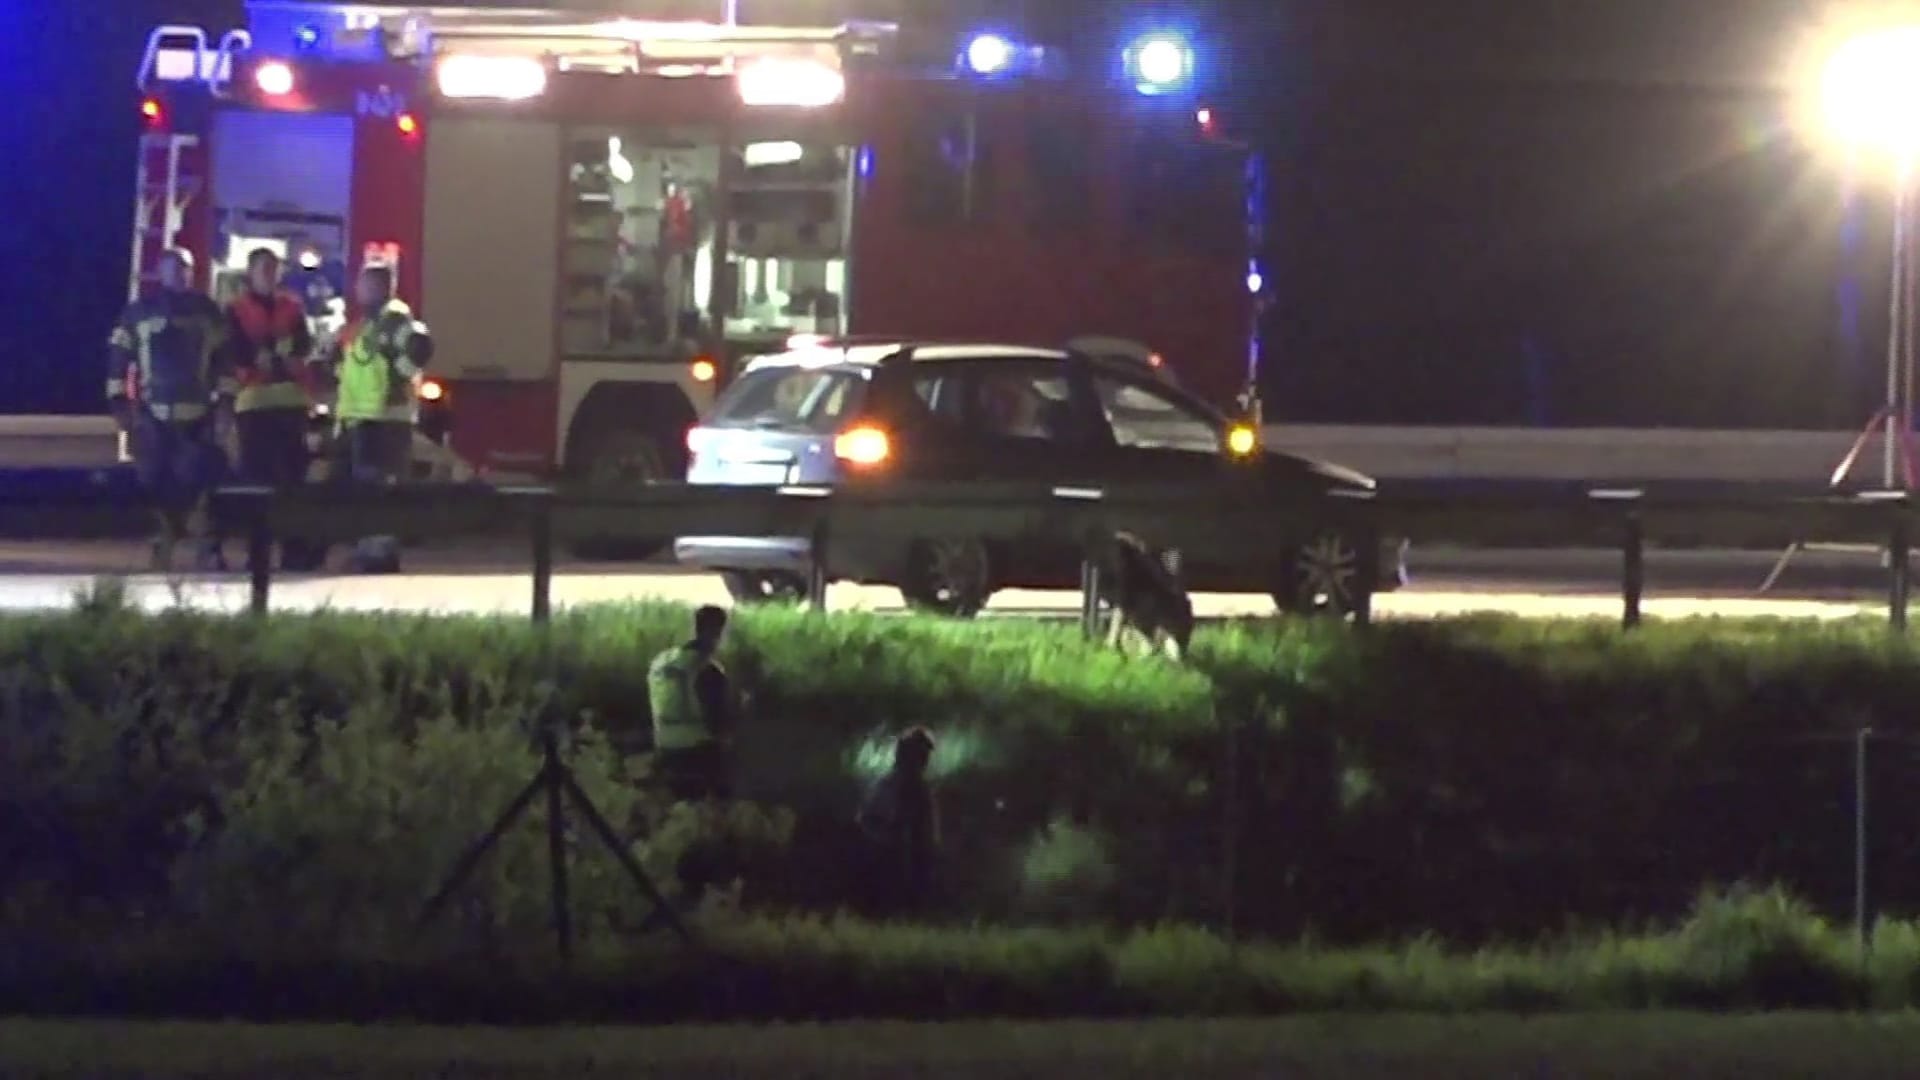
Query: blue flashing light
x,y
306,38
863,163
1256,281
989,54
1160,63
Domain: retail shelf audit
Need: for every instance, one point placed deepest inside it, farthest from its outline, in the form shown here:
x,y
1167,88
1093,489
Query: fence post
x,y
542,524
1899,577
1230,856
557,846
1633,569
1861,914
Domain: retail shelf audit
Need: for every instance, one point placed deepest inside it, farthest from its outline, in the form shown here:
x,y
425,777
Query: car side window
x,y
1142,416
1022,401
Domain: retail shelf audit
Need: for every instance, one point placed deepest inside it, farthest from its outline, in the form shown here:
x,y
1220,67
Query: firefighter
x,y
692,705
382,356
270,342
169,394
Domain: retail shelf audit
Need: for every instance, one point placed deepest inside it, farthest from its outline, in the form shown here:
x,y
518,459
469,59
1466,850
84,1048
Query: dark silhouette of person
x,y
901,823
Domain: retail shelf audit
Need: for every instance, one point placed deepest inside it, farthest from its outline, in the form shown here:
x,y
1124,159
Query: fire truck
x,y
600,215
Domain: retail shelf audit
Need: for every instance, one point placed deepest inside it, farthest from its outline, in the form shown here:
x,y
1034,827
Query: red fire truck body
x,y
597,216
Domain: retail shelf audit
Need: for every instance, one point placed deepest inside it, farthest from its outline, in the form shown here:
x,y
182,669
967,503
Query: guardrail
x,y
1220,523
1639,455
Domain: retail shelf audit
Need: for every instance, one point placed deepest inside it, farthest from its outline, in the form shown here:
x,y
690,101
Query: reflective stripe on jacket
x,y
166,355
679,721
376,371
270,348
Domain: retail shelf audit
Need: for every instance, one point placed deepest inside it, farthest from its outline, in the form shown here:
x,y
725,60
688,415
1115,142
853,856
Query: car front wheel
x,y
947,577
1323,576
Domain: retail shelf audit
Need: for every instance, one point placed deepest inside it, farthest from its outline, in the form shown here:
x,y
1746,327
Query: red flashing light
x,y
151,110
408,124
1208,121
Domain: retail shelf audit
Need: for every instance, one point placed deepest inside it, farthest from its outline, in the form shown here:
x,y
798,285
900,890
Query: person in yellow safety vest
x,y
383,356
692,705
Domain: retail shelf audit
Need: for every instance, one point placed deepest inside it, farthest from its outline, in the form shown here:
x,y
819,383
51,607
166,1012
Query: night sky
x,y
1487,211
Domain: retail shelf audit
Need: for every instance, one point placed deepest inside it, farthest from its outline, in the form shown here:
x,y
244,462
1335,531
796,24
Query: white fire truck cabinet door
x,y
490,268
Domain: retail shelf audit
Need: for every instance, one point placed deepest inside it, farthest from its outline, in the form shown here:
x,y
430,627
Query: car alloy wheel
x,y
771,587
948,577
1325,576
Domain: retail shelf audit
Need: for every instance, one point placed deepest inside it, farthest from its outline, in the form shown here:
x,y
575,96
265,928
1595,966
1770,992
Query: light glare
x,y
1160,61
274,79
803,84
989,53
505,78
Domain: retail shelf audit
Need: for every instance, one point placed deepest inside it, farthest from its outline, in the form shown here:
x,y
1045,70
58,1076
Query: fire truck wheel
x,y
1322,577
948,577
752,587
618,460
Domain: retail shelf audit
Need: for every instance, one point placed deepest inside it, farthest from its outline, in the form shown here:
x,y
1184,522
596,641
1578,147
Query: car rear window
x,y
810,399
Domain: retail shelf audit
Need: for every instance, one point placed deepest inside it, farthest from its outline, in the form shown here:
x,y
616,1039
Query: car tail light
x,y
863,445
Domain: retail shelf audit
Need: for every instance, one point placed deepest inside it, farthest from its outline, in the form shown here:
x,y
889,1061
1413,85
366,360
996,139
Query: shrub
x,y
1481,778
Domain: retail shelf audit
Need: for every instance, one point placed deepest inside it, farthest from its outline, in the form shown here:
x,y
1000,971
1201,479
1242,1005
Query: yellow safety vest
x,y
376,375
679,722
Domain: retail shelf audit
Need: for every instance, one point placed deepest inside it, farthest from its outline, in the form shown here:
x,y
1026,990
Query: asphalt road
x,y
493,577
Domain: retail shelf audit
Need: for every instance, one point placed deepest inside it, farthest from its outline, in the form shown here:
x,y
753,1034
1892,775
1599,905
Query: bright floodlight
x,y
274,78
801,84
1870,91
1161,62
505,78
989,54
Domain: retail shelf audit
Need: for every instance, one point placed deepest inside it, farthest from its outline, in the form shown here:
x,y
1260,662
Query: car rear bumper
x,y
783,554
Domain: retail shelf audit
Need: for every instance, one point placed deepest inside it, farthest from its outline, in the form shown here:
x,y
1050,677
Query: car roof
x,y
863,352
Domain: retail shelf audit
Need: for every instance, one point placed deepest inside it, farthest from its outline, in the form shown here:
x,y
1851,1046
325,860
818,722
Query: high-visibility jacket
x,y
384,355
166,355
679,716
270,342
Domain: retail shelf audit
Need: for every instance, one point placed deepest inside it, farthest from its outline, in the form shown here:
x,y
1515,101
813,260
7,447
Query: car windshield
x,y
790,398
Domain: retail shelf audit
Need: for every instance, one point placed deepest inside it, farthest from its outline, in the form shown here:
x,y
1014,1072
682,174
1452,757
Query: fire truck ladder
x,y
165,185
168,178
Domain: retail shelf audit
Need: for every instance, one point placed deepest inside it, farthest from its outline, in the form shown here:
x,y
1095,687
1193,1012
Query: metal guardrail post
x,y
1633,571
817,568
1089,594
542,525
1899,574
260,552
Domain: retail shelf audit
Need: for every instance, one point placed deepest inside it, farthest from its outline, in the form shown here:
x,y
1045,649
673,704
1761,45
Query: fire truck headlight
x,y
1158,63
274,79
803,84
505,78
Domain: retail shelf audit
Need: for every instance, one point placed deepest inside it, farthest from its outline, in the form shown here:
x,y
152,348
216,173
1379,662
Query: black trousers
x,y
273,447
273,453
